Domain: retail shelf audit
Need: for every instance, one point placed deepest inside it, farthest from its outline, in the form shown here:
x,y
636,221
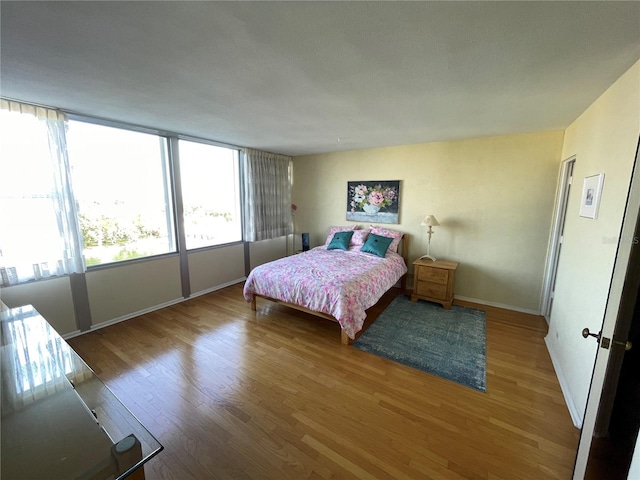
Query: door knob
x,y
605,344
586,333
627,345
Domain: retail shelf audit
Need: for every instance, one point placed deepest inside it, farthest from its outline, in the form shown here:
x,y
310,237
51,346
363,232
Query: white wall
x,y
126,289
218,266
269,250
604,140
121,291
492,196
51,297
634,471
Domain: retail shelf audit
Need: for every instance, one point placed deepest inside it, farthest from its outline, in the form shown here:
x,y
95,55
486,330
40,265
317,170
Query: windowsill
x,y
104,266
213,247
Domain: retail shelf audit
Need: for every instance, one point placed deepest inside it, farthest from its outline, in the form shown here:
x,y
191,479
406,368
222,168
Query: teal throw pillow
x,y
376,244
340,241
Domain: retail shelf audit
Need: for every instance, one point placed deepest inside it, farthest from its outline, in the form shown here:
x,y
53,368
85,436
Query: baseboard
x,y
218,287
576,416
69,335
497,305
129,316
144,311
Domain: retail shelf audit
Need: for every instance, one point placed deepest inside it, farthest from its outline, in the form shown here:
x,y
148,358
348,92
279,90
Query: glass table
x,y
58,420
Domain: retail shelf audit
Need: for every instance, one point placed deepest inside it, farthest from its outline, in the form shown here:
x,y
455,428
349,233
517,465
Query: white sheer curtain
x,y
39,233
36,361
267,195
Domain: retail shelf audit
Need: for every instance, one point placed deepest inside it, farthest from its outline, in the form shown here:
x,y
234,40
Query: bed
x,y
338,285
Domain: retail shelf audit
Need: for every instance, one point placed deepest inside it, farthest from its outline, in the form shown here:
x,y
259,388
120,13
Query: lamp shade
x,y
430,221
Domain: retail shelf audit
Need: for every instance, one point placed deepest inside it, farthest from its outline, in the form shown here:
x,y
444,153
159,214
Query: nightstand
x,y
433,281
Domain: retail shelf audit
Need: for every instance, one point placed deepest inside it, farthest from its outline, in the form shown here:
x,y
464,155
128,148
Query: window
x,y
38,233
121,185
210,193
41,356
76,194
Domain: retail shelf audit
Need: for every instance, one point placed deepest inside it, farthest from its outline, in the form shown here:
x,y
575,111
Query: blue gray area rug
x,y
448,343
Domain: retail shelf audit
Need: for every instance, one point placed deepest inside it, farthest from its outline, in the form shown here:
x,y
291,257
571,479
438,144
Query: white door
x,y
557,232
628,241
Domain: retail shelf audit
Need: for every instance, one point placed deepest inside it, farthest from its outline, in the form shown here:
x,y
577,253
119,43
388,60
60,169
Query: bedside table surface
x,y
427,262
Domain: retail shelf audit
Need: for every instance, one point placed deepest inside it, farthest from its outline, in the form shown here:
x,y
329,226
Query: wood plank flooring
x,y
272,394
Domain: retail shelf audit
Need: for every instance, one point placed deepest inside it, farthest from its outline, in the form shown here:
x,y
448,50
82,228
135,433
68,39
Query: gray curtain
x,y
267,195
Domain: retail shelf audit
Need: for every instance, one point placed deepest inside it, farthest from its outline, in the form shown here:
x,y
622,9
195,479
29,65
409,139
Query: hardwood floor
x,y
273,394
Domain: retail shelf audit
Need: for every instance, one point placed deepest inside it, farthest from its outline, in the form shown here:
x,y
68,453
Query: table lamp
x,y
429,221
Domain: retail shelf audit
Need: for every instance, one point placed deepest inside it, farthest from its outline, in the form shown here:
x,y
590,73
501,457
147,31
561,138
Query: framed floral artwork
x,y
373,201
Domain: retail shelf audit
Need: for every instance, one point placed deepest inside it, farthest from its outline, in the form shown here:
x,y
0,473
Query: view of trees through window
x,y
120,180
210,194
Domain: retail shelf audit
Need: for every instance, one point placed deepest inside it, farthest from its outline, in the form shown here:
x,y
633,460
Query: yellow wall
x,y
492,196
604,140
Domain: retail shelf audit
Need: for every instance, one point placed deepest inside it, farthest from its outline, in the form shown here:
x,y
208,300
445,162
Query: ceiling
x,y
309,77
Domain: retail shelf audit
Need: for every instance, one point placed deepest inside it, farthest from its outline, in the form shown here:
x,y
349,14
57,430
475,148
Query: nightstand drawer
x,y
434,275
433,281
432,290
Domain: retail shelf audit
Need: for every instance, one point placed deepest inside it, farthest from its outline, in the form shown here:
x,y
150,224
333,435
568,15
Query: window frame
x,y
173,190
178,188
167,174
173,160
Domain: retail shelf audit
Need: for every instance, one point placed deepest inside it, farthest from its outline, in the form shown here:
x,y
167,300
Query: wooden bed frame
x,y
403,249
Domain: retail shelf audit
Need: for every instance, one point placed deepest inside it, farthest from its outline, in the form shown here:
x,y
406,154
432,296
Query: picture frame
x,y
373,201
591,193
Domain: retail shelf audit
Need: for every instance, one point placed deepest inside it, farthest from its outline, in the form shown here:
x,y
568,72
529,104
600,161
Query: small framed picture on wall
x,y
591,193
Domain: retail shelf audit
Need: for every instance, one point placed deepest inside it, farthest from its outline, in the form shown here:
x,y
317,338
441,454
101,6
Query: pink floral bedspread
x,y
341,283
